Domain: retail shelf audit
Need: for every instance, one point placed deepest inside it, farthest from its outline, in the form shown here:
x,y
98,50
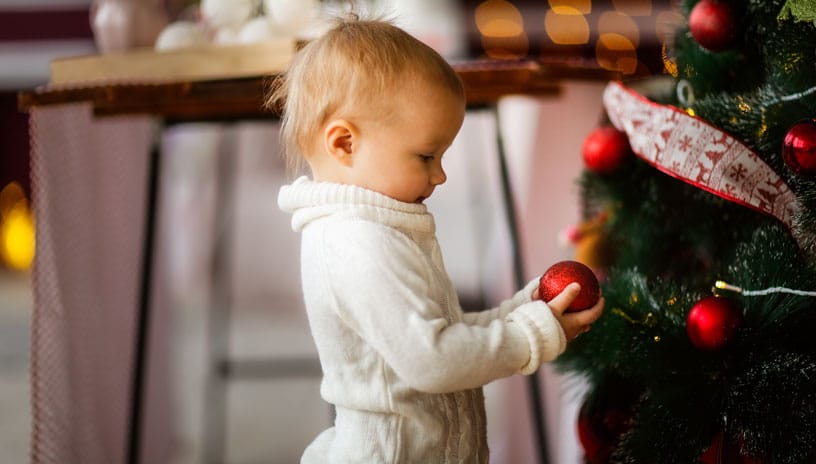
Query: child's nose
x,y
438,176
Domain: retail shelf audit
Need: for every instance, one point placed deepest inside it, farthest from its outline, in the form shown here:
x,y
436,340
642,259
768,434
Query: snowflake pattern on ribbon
x,y
698,153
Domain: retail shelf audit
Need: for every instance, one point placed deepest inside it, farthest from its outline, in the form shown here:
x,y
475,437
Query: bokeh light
x,y
617,44
583,7
623,36
17,233
499,19
613,22
566,25
501,27
616,53
9,196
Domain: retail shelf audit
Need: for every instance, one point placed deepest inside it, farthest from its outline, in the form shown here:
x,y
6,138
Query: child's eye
x,y
426,158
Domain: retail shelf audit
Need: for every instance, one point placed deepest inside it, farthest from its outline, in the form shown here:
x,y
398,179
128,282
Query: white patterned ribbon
x,y
692,150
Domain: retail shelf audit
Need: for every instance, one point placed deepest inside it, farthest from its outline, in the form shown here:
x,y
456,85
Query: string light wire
x,y
721,285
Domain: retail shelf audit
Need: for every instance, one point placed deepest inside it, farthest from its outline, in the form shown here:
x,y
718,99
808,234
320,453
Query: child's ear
x,y
338,139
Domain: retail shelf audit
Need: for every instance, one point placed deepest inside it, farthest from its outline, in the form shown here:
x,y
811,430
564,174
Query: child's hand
x,y
577,322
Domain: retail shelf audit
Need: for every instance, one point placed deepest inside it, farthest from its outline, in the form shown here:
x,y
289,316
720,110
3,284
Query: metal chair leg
x,y
536,403
142,328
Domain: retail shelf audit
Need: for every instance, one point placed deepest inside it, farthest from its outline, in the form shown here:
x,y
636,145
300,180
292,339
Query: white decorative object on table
x,y
257,30
227,13
119,25
181,34
292,17
438,23
227,36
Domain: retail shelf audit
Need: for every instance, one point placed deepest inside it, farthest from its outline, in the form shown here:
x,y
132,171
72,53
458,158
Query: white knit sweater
x,y
402,363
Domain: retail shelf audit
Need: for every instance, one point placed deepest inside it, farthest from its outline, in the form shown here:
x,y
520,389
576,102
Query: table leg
x,y
142,324
536,404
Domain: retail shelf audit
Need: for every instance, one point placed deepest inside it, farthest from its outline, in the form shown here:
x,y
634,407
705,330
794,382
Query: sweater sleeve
x,y
505,307
544,333
378,283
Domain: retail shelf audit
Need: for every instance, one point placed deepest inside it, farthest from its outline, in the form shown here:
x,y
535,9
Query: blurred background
x,y
273,421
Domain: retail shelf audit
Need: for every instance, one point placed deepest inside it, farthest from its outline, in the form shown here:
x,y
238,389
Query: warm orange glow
x,y
633,7
613,22
17,235
583,7
566,26
669,64
499,19
501,28
9,196
617,53
506,48
17,242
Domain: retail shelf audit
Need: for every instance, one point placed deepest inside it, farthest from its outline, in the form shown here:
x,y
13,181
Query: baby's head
x,y
360,70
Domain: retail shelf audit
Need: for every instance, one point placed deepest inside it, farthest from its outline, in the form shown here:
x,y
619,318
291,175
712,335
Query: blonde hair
x,y
357,63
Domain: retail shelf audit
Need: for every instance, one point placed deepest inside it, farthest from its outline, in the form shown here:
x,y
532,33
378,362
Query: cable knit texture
x,y
402,363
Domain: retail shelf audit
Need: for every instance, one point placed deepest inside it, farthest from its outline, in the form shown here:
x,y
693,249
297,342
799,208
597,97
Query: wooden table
x,y
242,98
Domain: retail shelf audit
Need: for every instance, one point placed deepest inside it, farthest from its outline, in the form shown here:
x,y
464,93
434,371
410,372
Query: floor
x,y
15,323
268,421
265,419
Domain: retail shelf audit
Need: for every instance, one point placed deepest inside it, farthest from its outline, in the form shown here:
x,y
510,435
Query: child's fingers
x,y
563,299
579,322
588,316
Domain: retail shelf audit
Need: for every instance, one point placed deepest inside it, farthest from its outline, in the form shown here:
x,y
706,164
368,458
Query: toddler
x,y
372,111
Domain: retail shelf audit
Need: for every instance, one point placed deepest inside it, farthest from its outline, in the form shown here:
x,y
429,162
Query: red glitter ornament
x,y
799,148
594,436
604,417
561,274
605,149
712,25
724,451
712,321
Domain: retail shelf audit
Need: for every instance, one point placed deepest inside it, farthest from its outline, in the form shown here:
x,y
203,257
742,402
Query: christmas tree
x,y
705,234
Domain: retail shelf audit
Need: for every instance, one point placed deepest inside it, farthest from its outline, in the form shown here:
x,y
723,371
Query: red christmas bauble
x,y
563,273
600,429
712,321
724,451
596,441
799,148
605,149
606,414
712,25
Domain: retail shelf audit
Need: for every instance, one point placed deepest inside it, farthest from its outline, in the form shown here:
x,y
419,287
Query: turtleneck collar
x,y
308,201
